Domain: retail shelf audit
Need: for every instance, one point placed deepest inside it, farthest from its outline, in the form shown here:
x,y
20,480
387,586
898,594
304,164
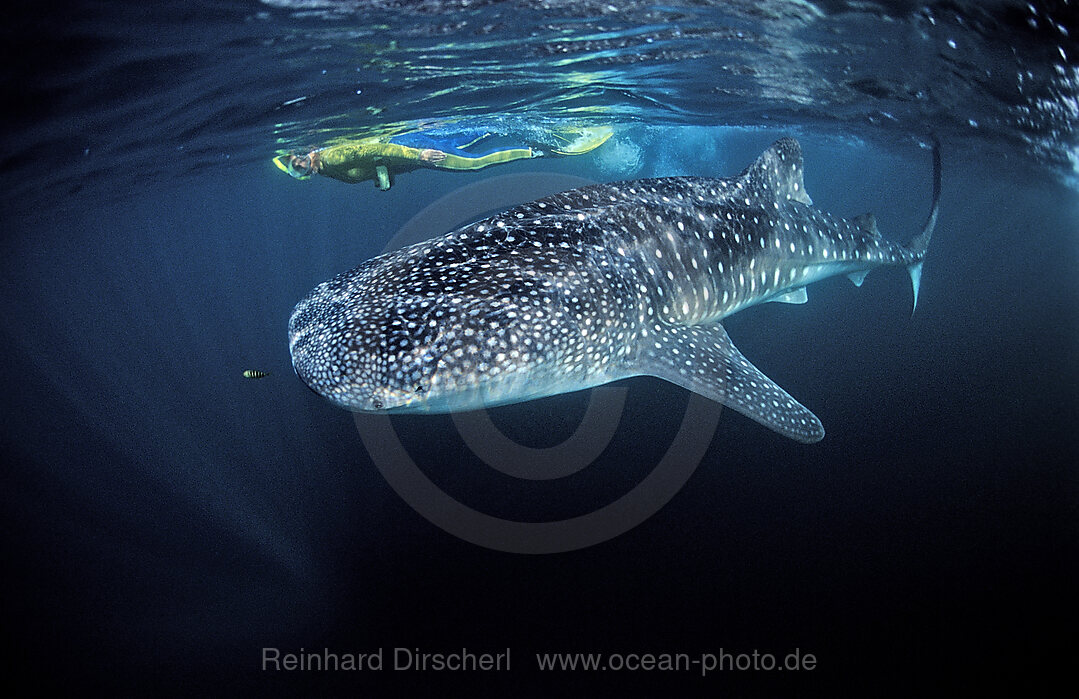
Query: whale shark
x,y
589,286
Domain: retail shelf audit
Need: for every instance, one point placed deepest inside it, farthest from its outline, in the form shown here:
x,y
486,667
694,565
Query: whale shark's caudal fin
x,y
920,243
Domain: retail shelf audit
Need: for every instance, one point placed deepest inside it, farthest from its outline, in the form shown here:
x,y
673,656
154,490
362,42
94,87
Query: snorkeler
x,y
359,161
380,160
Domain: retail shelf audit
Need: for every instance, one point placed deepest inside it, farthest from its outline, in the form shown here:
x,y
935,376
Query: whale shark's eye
x,y
419,388
377,404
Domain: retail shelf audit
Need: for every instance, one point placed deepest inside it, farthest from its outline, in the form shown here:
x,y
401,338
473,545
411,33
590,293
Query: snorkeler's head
x,y
302,166
299,166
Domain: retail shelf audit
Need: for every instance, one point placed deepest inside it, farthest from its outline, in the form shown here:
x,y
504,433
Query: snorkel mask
x,y
296,165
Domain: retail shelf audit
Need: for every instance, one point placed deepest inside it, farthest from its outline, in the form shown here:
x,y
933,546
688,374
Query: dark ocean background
x,y
164,519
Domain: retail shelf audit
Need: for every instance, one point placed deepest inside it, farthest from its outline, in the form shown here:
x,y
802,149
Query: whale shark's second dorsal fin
x,y
777,174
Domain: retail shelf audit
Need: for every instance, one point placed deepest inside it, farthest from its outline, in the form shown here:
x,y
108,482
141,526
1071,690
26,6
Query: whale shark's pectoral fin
x,y
704,360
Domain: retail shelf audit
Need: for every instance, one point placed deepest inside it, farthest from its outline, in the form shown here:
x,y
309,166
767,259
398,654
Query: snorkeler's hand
x,y
430,155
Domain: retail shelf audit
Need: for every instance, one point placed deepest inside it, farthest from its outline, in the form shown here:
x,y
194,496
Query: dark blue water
x,y
166,519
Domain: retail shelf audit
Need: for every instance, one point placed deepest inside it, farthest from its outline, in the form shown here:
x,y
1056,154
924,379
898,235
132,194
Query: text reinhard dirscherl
x,y
402,659
464,660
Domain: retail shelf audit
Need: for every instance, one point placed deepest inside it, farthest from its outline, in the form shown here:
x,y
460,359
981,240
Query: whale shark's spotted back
x,y
586,287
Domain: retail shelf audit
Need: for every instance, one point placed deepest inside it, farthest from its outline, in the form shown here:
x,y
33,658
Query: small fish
x,y
590,286
255,374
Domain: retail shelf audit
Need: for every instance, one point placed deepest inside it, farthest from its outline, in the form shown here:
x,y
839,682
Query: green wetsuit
x,y
357,161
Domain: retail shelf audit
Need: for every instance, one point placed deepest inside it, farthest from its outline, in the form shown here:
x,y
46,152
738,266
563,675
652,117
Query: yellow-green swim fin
x,y
583,139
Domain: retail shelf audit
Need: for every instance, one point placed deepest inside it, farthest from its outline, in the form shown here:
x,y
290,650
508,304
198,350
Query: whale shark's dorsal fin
x,y
868,223
777,174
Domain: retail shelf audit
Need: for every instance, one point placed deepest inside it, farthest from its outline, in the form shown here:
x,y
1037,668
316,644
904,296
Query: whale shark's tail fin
x,y
920,244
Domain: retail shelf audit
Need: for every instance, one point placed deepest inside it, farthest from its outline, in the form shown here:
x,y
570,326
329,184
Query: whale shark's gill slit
x,y
704,360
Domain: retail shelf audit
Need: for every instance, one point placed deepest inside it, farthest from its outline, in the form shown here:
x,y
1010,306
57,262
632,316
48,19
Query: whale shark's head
x,y
402,354
377,356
